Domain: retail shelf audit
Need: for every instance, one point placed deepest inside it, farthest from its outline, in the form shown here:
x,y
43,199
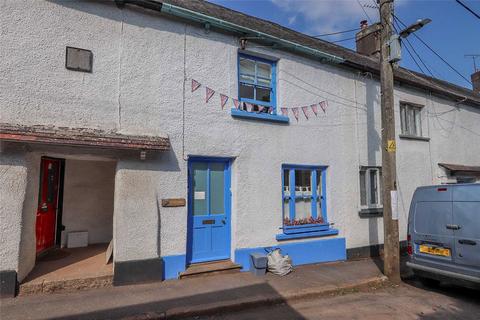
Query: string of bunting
x,y
209,93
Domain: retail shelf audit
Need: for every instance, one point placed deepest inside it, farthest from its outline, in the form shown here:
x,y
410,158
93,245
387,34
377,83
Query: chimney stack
x,y
368,39
476,82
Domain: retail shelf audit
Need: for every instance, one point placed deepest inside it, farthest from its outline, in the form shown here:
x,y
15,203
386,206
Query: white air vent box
x,y
77,239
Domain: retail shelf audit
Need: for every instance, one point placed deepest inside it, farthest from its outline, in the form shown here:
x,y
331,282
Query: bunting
x,y
236,103
223,100
195,85
305,112
295,112
324,105
208,94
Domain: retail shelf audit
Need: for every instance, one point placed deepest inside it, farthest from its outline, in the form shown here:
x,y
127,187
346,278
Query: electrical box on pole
x,y
395,49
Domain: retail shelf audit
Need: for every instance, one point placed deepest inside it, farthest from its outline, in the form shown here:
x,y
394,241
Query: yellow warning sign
x,y
391,146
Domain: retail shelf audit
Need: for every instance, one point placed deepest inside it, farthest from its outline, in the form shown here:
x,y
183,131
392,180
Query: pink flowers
x,y
298,222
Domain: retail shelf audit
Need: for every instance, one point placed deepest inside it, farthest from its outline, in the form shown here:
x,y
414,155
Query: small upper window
x,y
256,84
410,119
370,187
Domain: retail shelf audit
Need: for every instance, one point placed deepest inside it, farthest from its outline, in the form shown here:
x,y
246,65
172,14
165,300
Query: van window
x,y
432,217
467,215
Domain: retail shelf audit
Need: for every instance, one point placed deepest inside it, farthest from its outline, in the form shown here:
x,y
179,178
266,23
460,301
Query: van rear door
x,y
433,225
466,214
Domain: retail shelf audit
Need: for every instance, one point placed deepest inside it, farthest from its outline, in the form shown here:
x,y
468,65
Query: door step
x,y
210,268
56,286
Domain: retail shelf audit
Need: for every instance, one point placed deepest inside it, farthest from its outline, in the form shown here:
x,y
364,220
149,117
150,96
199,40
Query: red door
x,y
47,204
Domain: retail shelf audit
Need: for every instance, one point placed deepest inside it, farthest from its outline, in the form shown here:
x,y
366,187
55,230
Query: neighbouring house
x,y
183,132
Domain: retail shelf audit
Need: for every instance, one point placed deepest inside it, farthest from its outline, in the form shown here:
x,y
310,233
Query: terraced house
x,y
172,133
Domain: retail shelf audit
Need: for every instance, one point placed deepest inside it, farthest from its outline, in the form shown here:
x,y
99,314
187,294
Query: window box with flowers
x,y
304,202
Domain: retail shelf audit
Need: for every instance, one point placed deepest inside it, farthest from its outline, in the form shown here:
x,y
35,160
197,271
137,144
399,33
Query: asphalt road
x,y
410,300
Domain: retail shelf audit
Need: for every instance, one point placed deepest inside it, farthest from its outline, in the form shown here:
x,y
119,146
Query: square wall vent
x,y
79,59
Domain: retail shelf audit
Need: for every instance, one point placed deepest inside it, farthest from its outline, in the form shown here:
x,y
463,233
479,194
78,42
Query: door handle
x,y
466,241
44,207
453,226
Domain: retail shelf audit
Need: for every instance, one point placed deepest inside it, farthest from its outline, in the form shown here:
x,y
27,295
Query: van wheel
x,y
428,282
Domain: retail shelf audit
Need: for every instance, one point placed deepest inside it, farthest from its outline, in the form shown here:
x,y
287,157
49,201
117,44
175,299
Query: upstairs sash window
x,y
256,84
411,120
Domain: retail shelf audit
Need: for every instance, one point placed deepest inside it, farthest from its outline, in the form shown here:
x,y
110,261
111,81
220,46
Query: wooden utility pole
x,y
390,223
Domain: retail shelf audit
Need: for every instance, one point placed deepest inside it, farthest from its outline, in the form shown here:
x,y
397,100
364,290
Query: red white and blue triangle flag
x,y
223,100
249,106
305,111
284,111
195,85
314,108
236,103
208,93
295,112
324,105
260,108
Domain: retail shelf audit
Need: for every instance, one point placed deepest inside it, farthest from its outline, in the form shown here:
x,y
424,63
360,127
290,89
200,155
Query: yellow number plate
x,y
435,251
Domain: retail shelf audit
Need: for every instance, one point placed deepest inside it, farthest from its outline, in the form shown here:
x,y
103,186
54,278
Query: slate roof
x,y
81,137
353,59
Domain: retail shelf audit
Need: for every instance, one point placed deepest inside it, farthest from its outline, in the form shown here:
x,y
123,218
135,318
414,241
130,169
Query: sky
x,y
453,33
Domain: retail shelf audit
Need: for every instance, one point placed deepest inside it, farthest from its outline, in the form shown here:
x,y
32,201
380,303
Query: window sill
x,y
303,228
313,234
409,137
259,116
370,212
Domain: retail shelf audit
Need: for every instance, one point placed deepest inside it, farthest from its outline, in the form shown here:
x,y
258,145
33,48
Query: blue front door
x,y
209,210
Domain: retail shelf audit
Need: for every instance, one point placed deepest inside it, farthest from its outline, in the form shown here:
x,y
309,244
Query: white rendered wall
x,y
137,86
13,185
88,199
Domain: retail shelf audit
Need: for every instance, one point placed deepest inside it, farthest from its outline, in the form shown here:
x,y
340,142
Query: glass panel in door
x,y
217,188
199,170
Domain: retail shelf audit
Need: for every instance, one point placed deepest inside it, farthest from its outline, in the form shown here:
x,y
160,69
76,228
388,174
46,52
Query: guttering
x,y
232,27
225,25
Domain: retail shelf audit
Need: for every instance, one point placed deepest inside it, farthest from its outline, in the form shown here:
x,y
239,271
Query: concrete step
x,y
68,285
210,268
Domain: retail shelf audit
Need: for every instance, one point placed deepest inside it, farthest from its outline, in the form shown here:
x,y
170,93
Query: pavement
x,y
69,269
409,300
199,296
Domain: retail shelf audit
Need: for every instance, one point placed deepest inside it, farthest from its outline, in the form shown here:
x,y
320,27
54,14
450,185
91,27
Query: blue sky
x,y
452,33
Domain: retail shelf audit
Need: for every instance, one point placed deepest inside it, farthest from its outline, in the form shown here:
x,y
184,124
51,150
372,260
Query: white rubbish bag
x,y
279,264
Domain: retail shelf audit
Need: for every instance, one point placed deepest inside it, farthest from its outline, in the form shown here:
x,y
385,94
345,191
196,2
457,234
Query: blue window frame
x,y
304,201
257,83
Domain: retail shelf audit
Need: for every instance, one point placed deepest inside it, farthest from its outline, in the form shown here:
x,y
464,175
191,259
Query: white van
x,y
444,232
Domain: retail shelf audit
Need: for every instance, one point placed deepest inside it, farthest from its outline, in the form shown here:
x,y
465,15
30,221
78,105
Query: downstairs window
x,y
304,202
371,191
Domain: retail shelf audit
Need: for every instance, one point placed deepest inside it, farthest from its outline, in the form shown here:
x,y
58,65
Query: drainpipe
x,y
229,26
